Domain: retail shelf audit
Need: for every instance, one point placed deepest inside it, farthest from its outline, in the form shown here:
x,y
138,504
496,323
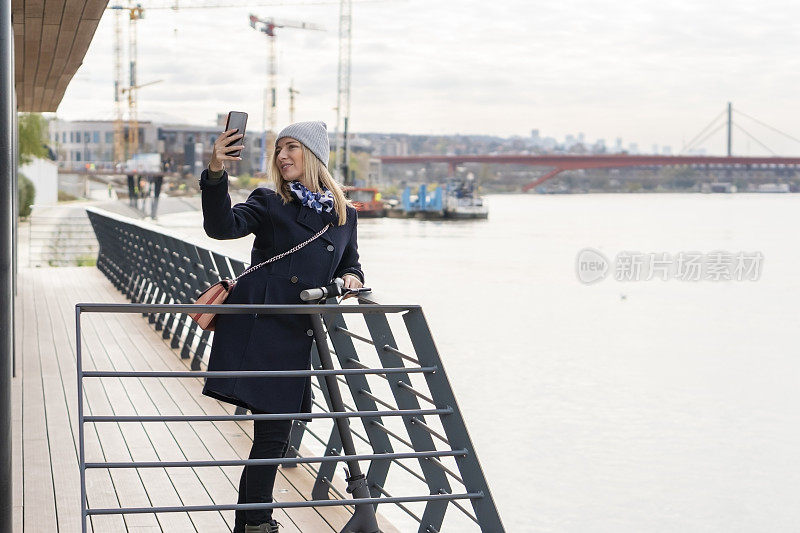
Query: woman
x,y
305,199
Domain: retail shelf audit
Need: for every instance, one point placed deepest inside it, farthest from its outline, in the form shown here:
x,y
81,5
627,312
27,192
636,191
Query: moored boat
x,y
462,201
367,201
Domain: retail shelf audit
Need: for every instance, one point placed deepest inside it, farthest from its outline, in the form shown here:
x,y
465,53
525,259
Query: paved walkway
x,y
46,478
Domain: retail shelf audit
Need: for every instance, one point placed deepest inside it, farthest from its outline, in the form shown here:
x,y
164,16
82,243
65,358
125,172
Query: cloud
x,y
648,72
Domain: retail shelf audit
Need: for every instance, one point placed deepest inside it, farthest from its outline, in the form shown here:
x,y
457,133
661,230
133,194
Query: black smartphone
x,y
237,120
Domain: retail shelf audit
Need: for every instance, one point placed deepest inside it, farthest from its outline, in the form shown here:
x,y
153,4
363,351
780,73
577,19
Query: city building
x,y
188,147
80,142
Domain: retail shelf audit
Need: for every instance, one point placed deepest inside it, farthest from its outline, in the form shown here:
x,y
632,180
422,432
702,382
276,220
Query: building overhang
x,y
51,38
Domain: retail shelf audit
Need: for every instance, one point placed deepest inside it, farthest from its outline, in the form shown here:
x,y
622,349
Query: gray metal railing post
x,y
8,153
81,437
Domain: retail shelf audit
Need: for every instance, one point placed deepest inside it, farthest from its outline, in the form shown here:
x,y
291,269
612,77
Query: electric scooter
x,y
363,520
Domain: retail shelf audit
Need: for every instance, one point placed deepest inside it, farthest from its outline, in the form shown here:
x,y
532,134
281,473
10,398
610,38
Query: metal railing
x,y
60,240
401,408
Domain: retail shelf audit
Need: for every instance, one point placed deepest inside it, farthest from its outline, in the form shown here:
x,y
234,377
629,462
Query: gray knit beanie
x,y
314,135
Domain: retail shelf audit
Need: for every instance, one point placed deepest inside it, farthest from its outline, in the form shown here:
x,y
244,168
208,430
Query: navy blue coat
x,y
272,342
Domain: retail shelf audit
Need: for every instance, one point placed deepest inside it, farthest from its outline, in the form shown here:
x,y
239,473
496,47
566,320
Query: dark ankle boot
x,y
266,527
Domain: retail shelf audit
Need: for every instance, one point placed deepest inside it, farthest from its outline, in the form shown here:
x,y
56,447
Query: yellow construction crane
x,y
135,13
267,27
133,119
119,137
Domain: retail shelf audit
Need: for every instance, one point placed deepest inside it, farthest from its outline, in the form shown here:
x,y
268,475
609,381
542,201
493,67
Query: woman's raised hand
x,y
221,150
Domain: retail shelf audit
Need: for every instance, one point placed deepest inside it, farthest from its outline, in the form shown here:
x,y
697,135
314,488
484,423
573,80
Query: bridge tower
x,y
730,127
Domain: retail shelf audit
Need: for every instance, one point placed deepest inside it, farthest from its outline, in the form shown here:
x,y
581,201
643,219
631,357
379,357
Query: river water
x,y
649,405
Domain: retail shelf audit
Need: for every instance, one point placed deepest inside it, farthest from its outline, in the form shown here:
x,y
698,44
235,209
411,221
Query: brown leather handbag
x,y
218,292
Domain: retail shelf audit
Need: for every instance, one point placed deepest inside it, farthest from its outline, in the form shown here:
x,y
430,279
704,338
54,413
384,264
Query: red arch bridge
x,y
560,163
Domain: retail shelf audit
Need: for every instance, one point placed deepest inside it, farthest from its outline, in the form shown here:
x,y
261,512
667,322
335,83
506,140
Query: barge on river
x,y
457,199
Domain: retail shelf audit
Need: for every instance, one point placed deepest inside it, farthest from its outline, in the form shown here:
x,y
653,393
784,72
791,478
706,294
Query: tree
x,y
26,193
32,143
32,137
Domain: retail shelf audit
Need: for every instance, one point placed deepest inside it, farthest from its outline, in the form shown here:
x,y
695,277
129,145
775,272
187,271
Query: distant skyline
x,y
651,74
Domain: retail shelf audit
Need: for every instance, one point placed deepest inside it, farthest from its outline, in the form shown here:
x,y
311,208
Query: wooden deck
x,y
45,437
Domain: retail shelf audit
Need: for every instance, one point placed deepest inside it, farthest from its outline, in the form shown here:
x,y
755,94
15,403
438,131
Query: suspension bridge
x,y
558,163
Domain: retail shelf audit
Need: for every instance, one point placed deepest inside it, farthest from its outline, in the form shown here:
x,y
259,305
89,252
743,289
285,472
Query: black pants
x,y
270,440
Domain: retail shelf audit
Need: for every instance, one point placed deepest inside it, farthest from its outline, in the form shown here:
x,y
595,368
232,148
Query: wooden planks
x,y
51,38
16,424
39,512
57,371
47,496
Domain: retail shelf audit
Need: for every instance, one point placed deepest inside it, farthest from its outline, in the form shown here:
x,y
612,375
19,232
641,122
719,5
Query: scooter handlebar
x,y
335,289
328,291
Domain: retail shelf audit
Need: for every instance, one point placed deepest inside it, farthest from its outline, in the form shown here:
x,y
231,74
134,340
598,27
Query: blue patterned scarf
x,y
318,201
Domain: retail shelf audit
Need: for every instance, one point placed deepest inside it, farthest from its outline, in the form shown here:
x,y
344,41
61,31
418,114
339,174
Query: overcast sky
x,y
648,72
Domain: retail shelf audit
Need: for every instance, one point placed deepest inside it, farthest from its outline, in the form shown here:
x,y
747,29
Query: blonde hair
x,y
315,173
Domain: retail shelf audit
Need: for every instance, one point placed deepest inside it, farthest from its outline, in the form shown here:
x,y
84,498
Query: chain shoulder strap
x,y
287,252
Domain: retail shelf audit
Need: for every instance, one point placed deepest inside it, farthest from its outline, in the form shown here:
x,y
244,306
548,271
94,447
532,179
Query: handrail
x,y
294,460
282,416
252,373
245,309
287,505
161,273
